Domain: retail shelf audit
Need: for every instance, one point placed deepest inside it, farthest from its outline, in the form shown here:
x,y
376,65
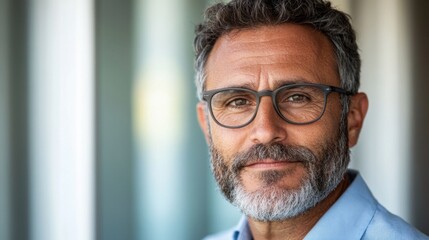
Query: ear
x,y
203,120
356,116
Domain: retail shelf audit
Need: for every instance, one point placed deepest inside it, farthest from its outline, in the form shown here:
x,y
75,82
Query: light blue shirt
x,y
355,215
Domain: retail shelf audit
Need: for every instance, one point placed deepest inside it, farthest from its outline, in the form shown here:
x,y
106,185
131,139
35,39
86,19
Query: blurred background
x,y
98,131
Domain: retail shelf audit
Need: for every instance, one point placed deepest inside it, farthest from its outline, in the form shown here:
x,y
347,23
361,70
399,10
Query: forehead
x,y
271,55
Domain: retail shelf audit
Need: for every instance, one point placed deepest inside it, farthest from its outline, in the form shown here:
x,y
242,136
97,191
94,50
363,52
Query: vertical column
x,y
171,155
420,114
18,120
4,122
61,103
160,94
114,53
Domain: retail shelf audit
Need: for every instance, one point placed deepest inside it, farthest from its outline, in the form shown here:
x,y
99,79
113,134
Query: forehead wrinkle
x,y
251,75
256,37
238,76
248,51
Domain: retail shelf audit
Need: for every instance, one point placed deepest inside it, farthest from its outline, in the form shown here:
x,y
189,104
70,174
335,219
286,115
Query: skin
x,y
265,58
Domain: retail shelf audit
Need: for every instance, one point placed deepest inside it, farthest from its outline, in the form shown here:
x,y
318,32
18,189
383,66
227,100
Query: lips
x,y
268,163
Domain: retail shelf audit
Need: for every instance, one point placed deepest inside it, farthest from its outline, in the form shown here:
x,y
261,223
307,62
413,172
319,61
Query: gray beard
x,y
271,202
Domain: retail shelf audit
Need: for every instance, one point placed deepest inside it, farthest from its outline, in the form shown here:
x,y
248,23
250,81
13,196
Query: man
x,y
279,105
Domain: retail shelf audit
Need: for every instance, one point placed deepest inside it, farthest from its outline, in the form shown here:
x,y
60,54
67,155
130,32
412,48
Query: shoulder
x,y
385,225
358,215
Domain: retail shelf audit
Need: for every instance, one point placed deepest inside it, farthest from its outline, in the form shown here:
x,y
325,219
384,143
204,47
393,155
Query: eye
x,y
297,98
233,100
238,102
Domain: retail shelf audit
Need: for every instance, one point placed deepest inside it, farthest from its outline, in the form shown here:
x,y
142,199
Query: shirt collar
x,y
350,214
242,230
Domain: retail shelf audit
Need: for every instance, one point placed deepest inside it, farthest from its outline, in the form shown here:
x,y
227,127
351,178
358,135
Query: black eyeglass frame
x,y
327,89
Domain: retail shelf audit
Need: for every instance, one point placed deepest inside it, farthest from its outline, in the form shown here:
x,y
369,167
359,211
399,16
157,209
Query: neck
x,y
299,226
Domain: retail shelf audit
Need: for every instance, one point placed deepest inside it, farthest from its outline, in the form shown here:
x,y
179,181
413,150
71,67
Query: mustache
x,y
277,152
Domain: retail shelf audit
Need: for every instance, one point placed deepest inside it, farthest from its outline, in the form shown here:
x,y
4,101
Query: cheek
x,y
309,136
228,141
328,127
315,136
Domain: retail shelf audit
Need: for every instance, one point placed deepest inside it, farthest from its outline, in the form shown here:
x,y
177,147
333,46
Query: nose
x,y
267,127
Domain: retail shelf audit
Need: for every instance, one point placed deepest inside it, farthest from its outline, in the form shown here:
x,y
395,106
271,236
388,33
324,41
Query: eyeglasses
x,y
295,103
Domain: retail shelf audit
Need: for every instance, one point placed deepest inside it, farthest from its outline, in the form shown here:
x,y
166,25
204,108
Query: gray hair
x,y
221,19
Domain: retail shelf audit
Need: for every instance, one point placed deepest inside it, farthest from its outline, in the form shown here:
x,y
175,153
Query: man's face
x,y
271,166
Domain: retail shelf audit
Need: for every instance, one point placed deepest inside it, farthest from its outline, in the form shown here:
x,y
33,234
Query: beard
x,y
271,202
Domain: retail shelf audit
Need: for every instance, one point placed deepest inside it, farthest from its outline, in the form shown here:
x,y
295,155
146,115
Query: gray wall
x,y
17,83
115,217
420,96
4,120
